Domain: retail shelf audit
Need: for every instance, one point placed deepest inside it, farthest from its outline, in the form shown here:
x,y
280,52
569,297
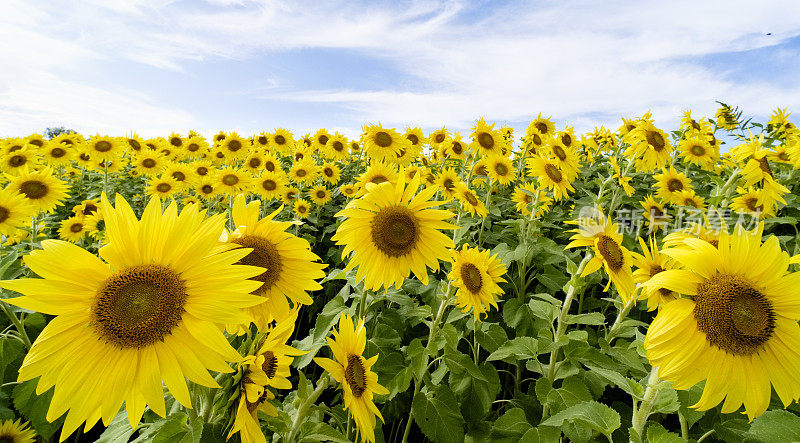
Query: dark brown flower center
x,y
656,140
338,146
264,255
17,161
559,152
674,185
541,127
76,227
178,175
471,277
269,185
395,231
280,140
383,139
413,139
611,252
34,189
270,365
553,172
57,152
234,145
139,306
4,214
176,141
698,150
262,140
102,146
230,179
501,169
254,162
486,140
438,138
734,314
163,187
149,163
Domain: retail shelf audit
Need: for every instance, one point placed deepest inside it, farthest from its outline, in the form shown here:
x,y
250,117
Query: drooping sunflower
x,y
738,331
150,310
354,372
291,269
270,185
15,211
15,431
754,202
525,194
391,231
649,263
73,229
670,182
42,190
470,201
689,198
476,274
606,243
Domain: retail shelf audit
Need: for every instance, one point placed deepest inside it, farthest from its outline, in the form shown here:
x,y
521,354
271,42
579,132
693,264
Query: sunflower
x,y
754,202
104,148
15,211
670,183
270,185
550,176
17,161
438,137
252,400
330,173
524,195
689,198
304,171
301,207
150,310
163,187
392,232
649,146
726,118
281,141
543,126
234,147
58,154
416,137
231,181
291,269
337,148
564,157
383,144
377,172
319,194
261,142
290,194
207,188
16,432
567,137
606,242
148,162
476,274
182,173
73,229
697,150
320,141
649,263
470,201
486,139
196,146
355,147
454,148
176,141
738,330
354,372
43,191
654,213
500,169
349,190
254,161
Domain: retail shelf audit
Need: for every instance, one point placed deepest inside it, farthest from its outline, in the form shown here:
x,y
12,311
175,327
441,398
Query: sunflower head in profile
x,y
15,431
393,230
42,190
737,329
470,201
153,297
476,274
354,372
648,264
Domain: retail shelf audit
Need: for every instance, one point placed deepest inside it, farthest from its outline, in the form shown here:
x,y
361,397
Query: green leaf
x,y
492,338
591,318
573,391
417,358
595,415
34,407
541,434
438,416
321,432
632,387
657,434
119,431
325,321
177,428
510,426
775,426
667,400
543,310
520,348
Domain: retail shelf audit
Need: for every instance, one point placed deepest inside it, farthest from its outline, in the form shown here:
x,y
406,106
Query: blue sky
x,y
158,66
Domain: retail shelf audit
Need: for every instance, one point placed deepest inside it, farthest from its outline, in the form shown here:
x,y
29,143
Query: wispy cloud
x,y
586,62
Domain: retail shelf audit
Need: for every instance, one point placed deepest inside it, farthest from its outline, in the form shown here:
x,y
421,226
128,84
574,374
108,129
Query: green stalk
x,y
302,411
620,317
23,335
640,414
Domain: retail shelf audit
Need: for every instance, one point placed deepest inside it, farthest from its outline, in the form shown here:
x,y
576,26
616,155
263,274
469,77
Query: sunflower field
x,y
631,285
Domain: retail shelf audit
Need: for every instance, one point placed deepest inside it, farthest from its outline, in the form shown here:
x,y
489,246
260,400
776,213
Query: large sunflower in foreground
x,y
151,309
354,372
738,330
476,274
291,269
392,232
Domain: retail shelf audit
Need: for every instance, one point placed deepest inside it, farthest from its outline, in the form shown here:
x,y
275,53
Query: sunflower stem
x,y
706,435
23,335
302,411
475,346
561,324
612,333
485,203
640,415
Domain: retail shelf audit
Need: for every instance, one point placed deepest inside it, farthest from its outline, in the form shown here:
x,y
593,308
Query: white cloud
x,y
459,61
